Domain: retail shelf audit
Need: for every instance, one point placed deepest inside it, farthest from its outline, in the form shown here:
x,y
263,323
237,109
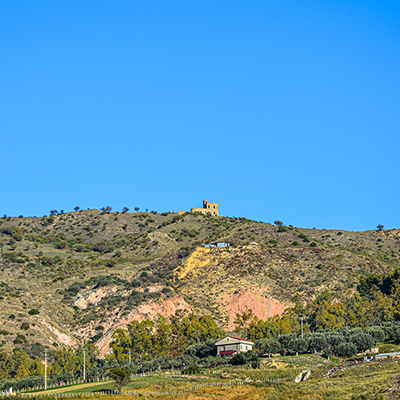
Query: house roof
x,y
239,338
236,339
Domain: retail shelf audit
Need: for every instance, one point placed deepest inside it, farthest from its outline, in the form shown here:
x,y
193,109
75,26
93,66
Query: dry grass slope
x,y
87,271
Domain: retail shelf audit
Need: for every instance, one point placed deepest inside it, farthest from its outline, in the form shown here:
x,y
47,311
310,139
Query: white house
x,y
231,345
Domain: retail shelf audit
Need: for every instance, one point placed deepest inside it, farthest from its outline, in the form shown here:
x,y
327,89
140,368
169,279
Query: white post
x,y
84,364
45,370
302,327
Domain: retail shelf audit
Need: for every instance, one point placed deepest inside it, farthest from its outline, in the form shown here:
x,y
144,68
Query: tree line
x,y
332,325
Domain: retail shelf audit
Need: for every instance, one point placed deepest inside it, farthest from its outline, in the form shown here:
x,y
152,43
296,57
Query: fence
x,y
161,393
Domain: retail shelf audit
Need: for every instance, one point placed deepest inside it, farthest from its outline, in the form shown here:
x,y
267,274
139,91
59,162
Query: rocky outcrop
x,y
86,298
61,337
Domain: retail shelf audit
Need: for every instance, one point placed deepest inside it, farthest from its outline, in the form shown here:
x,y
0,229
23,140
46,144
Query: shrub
x,y
16,233
34,311
25,326
103,247
136,283
239,359
20,339
193,369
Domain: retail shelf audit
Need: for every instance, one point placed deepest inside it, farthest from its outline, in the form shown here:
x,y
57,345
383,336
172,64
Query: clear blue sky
x,y
284,110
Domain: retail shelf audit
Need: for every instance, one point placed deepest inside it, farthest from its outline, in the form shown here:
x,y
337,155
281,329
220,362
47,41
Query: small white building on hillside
x,y
231,345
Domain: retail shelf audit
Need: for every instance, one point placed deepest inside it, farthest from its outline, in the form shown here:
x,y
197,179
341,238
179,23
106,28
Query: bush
x,y
103,247
206,349
238,359
20,339
193,369
16,233
25,326
34,311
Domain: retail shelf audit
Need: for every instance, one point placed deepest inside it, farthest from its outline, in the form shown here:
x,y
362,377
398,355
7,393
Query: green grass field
x,y
378,380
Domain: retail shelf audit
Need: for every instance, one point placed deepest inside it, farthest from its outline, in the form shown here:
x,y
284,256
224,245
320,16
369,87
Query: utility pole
x,y
84,364
269,306
302,327
45,370
130,352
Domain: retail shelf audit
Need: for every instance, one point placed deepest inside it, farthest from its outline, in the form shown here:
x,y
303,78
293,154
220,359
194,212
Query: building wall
x,y
208,207
201,210
212,207
235,344
238,347
227,347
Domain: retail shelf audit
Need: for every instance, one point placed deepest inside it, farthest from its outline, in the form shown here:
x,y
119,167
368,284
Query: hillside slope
x,y
79,276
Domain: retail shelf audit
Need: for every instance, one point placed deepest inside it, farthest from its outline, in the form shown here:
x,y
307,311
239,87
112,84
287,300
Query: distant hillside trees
x,y
149,339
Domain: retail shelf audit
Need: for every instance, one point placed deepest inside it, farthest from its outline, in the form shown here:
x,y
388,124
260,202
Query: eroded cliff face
x,y
54,334
244,300
230,281
164,307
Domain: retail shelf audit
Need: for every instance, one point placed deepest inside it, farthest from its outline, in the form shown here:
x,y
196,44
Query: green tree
x,y
298,307
377,333
316,342
346,349
268,346
122,377
362,341
298,345
242,321
22,371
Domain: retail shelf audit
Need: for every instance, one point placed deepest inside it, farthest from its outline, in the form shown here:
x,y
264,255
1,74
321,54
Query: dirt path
x,y
76,387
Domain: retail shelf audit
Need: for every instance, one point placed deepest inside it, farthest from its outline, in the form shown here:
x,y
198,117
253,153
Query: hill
x,y
74,277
